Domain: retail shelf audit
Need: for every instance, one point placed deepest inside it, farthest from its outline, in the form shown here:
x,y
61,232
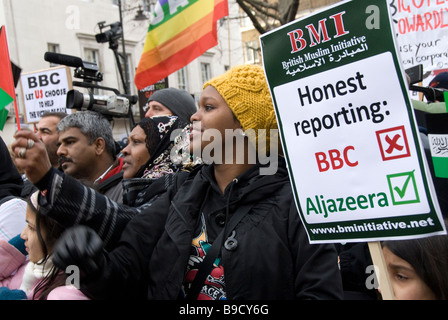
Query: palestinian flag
x,y
7,89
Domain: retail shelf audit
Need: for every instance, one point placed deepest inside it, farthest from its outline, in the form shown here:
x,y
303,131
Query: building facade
x,y
34,27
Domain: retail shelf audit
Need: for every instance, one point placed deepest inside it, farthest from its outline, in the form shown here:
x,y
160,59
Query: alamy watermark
x,y
73,277
232,147
73,20
373,275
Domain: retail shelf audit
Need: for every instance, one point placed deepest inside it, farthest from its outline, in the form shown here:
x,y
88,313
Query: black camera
x,y
415,75
114,33
116,105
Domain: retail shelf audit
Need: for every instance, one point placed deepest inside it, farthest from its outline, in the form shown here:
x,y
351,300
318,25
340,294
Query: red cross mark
x,y
388,141
393,143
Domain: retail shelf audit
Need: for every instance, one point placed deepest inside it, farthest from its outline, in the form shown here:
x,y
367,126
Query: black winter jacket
x,y
273,259
70,202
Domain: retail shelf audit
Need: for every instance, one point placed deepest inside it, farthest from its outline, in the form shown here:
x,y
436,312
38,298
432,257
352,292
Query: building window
x,y
205,72
252,48
182,79
53,47
91,55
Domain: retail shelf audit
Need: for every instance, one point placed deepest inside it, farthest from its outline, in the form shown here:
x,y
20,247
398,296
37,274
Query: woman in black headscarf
x,y
149,156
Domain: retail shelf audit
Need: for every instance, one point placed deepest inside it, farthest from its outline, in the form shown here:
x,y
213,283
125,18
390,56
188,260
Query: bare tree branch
x,y
251,16
263,9
267,15
268,5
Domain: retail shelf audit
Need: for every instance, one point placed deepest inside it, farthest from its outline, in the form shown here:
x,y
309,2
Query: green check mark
x,y
403,195
401,192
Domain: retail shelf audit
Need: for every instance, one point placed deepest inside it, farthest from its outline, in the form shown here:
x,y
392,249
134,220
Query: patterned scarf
x,y
158,142
166,157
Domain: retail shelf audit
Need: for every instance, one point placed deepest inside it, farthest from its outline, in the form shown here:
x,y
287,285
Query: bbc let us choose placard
x,y
45,91
347,127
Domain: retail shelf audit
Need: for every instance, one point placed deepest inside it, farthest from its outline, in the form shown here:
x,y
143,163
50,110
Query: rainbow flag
x,y
7,89
177,36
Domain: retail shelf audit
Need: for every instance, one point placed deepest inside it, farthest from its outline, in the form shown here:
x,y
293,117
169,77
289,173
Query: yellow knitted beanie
x,y
246,92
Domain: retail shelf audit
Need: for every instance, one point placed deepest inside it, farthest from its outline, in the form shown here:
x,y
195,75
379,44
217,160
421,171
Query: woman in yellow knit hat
x,y
224,231
247,104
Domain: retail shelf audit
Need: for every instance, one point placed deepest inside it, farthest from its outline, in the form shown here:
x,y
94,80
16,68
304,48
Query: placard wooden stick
x,y
385,286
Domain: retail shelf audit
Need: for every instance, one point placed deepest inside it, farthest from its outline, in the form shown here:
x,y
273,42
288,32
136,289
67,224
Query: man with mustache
x,y
47,132
87,152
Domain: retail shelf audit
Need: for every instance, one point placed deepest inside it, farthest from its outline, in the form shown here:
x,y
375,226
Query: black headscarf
x,y
158,142
11,182
167,156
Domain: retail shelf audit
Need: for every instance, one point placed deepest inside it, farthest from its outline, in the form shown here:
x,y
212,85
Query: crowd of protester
x,y
151,221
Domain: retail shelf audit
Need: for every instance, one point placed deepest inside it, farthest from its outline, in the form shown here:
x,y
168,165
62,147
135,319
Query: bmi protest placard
x,y
347,127
45,91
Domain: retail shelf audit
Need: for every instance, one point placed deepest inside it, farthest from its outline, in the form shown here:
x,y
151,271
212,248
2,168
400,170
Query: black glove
x,y
82,247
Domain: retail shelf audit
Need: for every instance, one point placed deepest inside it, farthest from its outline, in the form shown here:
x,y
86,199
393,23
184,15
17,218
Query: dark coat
x,y
11,182
273,259
70,202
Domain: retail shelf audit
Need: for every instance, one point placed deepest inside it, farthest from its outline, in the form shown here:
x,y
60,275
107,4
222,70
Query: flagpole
x,y
127,88
125,58
17,114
